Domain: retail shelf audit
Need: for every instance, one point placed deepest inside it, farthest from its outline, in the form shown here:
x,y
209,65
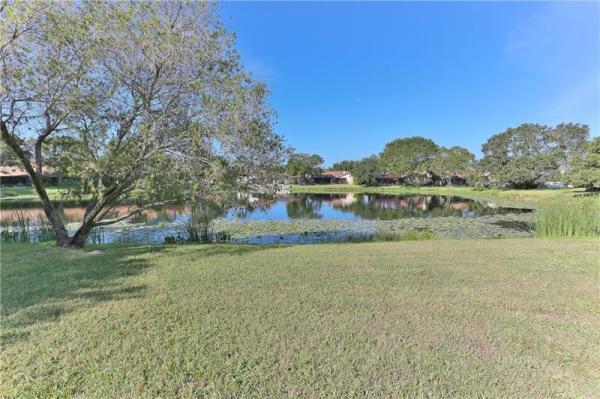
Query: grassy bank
x,y
27,194
517,198
488,318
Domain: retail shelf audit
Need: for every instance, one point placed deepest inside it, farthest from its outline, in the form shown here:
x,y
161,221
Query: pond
x,y
291,218
353,206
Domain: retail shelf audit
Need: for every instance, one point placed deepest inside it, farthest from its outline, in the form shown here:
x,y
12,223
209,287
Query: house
x,y
333,177
17,176
388,178
14,176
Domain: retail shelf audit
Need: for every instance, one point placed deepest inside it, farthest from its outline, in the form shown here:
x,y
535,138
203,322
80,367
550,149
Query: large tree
x,y
303,165
147,101
585,167
344,165
531,154
454,161
408,155
366,170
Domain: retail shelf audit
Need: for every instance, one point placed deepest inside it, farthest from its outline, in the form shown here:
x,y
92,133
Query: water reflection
x,y
303,206
369,207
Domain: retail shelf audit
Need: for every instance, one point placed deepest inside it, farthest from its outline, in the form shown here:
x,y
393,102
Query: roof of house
x,y
17,171
12,171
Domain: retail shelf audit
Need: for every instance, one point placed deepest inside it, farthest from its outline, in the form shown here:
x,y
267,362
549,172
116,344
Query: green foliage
x,y
455,161
576,217
199,226
410,154
344,165
303,165
365,170
142,101
531,154
585,168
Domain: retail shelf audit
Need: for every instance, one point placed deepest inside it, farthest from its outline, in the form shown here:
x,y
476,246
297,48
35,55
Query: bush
x,y
576,217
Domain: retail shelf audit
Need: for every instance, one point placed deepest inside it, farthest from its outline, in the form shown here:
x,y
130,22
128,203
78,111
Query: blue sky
x,y
348,77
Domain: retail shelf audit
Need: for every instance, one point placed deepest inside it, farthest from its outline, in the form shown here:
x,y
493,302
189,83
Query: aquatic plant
x,y
574,217
200,225
20,227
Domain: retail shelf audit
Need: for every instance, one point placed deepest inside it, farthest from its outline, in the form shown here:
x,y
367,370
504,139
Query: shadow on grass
x,y
41,282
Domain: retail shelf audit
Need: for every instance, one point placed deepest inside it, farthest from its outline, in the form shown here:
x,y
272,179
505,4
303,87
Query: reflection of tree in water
x,y
304,207
397,207
247,208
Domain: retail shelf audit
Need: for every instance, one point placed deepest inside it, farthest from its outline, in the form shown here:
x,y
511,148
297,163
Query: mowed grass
x,y
521,198
485,318
10,194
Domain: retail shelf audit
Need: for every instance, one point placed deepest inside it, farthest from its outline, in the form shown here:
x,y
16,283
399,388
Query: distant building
x,y
333,177
14,176
388,178
17,176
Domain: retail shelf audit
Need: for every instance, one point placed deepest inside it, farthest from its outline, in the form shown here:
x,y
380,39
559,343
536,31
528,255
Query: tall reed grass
x,y
572,217
21,227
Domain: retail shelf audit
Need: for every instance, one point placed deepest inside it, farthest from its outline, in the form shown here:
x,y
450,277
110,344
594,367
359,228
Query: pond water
x,y
365,207
157,224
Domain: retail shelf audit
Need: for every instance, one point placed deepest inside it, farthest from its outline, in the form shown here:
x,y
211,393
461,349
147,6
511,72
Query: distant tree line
x,y
527,156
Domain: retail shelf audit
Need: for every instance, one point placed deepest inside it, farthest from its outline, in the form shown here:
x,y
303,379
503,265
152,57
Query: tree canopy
x,y
146,101
365,170
301,164
454,161
531,154
408,154
585,166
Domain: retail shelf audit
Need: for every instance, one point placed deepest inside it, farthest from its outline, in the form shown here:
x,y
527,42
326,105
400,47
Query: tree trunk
x,y
38,159
62,237
81,235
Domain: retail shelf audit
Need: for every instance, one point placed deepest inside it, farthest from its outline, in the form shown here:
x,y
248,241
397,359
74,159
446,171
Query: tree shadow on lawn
x,y
41,283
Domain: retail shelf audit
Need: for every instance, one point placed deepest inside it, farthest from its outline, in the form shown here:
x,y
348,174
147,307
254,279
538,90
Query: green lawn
x,y
27,194
521,198
485,318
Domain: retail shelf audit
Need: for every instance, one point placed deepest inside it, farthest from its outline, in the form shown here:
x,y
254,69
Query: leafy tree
x,y
585,168
566,141
531,154
147,100
454,161
344,165
303,164
410,154
365,170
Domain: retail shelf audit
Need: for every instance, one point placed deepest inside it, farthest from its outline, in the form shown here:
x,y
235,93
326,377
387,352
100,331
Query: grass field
x,y
485,318
525,198
28,194
520,198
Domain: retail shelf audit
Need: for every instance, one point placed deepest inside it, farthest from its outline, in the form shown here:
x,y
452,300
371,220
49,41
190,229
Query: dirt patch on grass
x,y
483,347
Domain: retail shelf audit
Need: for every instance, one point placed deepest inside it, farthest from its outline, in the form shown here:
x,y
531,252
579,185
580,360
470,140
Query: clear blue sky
x,y
346,78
